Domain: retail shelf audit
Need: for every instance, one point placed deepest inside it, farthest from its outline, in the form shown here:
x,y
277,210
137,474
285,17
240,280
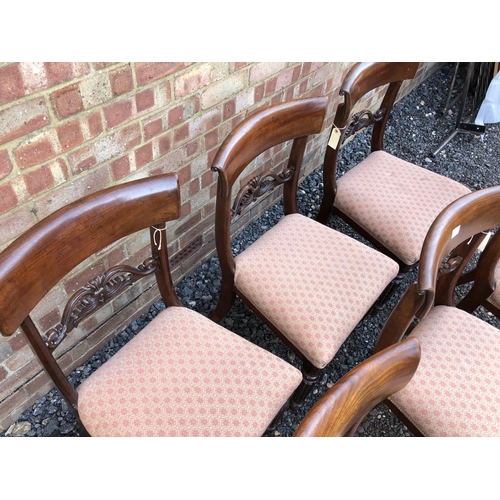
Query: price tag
x,y
334,138
484,242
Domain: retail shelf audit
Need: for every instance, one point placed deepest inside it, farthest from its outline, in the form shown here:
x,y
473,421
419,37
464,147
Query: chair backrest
x,y
363,78
454,235
343,407
294,120
33,264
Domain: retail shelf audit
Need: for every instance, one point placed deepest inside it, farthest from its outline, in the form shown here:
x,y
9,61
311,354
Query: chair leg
x,y
310,375
226,300
386,295
274,423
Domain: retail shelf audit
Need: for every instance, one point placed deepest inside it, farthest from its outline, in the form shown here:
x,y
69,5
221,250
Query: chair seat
x,y
395,201
312,283
456,389
184,375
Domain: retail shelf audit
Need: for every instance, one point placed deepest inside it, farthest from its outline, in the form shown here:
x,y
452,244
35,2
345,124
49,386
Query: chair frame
x,y
294,120
105,217
455,235
362,78
341,410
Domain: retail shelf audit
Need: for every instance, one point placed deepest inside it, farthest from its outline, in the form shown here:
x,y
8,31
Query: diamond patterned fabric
x,y
313,283
184,375
395,201
456,389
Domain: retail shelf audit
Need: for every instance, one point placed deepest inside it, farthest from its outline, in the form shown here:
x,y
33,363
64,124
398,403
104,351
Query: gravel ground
x,y
416,128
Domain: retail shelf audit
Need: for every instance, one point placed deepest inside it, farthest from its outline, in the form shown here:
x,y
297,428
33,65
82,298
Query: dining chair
x,y
485,278
389,201
341,410
182,375
456,388
310,284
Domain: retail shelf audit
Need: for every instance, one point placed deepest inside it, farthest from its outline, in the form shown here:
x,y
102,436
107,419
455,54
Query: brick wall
x,y
69,129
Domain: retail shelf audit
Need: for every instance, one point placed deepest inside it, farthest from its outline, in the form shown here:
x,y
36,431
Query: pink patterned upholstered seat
x,y
395,201
319,300
456,389
184,375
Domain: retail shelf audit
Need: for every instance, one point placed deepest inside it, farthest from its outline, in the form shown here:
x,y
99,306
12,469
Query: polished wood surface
x,y
46,253
455,227
344,406
363,78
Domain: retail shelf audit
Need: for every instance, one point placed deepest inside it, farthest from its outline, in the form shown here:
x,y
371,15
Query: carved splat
x,y
362,120
257,187
449,266
95,294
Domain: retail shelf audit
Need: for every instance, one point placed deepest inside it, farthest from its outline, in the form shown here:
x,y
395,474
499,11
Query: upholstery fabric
x,y
313,283
184,375
456,389
395,201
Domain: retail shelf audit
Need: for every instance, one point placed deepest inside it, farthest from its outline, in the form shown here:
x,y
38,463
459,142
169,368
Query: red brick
x,y
15,223
67,101
184,175
70,135
194,187
239,65
192,148
118,113
176,115
8,198
102,65
207,179
17,341
143,155
3,373
58,72
121,80
23,118
150,71
94,123
39,179
259,92
185,209
82,160
153,128
145,99
181,133
5,164
11,83
120,168
164,143
34,153
271,86
78,281
188,224
50,319
229,109
211,140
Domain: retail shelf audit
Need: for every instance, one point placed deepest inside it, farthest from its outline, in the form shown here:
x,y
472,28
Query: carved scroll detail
x,y
451,265
257,187
95,294
363,119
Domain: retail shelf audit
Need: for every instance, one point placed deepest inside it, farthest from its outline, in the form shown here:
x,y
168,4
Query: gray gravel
x,y
416,128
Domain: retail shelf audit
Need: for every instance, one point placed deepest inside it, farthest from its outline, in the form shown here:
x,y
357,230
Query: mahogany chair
x,y
485,277
182,375
309,283
389,201
456,388
341,410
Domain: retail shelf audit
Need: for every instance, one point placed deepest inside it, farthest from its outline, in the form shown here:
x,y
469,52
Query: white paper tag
x,y
334,138
455,231
484,242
